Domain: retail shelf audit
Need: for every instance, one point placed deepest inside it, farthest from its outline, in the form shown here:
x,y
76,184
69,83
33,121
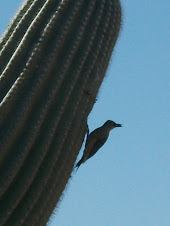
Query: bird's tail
x,y
78,164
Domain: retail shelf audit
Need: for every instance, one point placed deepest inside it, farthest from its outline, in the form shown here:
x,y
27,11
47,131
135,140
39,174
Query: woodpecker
x,y
96,139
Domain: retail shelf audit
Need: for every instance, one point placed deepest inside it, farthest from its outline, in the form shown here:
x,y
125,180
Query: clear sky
x,y
126,182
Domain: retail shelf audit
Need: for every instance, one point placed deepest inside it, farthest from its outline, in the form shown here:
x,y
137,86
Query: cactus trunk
x,y
53,58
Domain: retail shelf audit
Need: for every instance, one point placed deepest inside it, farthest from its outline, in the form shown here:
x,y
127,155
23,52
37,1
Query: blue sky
x,y
126,182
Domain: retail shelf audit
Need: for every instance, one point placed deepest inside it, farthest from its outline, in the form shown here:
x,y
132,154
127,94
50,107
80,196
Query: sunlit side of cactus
x,y
53,58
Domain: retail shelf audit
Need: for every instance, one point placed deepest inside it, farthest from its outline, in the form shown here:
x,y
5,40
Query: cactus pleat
x,y
53,58
14,23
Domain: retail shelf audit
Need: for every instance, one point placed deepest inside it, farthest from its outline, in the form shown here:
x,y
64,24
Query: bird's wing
x,y
96,147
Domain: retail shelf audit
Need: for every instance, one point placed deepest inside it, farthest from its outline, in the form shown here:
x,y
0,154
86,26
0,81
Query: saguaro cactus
x,y
53,58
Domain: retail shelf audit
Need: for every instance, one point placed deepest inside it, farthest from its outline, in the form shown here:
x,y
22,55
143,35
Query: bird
x,y
96,139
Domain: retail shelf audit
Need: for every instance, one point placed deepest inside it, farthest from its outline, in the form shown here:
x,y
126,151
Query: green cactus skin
x,y
53,58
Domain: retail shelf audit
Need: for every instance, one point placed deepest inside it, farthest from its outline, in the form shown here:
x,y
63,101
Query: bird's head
x,y
111,124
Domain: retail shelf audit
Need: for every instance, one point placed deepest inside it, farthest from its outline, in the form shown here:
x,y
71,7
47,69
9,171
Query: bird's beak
x,y
118,125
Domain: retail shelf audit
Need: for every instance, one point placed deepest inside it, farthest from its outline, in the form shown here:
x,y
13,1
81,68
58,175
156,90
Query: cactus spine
x,y
53,58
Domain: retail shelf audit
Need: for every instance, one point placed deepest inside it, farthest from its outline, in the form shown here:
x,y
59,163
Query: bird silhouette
x,y
96,139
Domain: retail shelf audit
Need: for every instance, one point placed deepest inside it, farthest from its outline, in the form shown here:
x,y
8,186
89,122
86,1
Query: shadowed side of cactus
x,y
53,58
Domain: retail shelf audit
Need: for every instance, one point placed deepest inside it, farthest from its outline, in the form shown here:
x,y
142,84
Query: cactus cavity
x,y
53,58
